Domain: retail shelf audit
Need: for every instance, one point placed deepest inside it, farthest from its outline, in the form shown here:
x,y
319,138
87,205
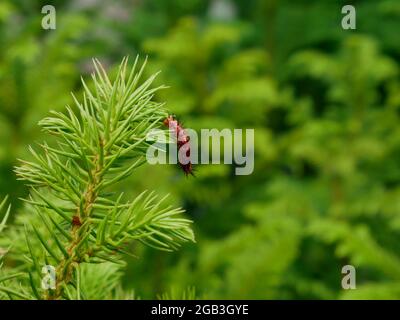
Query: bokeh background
x,y
325,106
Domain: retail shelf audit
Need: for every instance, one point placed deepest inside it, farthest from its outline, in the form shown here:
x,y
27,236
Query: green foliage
x,y
324,193
28,59
325,106
188,294
75,221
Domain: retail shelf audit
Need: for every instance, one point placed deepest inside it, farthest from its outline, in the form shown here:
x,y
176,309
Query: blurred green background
x,y
325,106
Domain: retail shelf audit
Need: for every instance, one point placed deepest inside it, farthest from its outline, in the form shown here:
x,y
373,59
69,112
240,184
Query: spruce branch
x,y
99,142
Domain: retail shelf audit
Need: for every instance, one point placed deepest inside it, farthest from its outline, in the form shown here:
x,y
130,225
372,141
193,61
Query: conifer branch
x,y
100,142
